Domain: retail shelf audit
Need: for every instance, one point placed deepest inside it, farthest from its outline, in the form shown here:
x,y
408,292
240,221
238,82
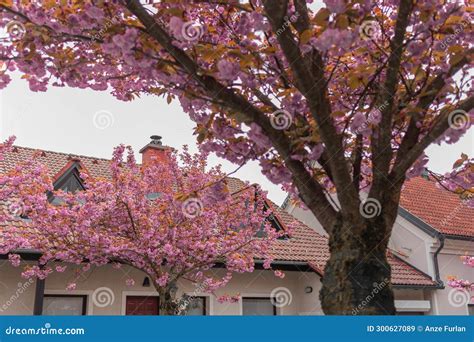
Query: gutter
x,y
283,265
418,287
459,237
26,254
299,266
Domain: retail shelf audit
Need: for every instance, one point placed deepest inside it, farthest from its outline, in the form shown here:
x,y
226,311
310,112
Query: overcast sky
x,y
91,123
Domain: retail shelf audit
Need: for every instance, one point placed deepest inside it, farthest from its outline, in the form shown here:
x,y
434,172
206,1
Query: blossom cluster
x,y
102,46
138,217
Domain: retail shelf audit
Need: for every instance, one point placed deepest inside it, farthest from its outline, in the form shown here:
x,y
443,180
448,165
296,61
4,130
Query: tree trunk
x,y
356,278
168,305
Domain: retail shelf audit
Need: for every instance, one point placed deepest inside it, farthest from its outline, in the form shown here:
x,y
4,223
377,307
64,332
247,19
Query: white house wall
x,y
449,301
17,295
413,245
260,283
307,217
300,288
418,248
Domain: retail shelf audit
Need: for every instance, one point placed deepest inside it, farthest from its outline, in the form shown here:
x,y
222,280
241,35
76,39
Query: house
x,y
434,228
102,290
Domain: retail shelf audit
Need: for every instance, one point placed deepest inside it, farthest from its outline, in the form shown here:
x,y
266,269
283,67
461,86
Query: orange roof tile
x,y
438,207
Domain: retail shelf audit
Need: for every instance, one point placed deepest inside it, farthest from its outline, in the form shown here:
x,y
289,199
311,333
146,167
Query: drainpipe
x,y
441,239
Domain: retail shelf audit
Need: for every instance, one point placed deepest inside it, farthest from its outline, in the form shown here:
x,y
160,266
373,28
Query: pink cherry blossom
x,y
192,224
335,6
14,259
227,70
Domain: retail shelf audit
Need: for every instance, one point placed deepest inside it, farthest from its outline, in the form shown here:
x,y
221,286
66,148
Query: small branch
x,y
440,126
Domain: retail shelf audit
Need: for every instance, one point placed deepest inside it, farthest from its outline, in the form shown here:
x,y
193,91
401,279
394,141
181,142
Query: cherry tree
x,y
173,221
337,101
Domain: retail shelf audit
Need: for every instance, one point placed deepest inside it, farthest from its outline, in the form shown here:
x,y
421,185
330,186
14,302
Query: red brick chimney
x,y
155,152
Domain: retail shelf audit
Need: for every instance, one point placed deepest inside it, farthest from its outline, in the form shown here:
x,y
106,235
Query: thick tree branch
x,y
439,127
429,94
382,152
310,190
357,163
302,23
310,80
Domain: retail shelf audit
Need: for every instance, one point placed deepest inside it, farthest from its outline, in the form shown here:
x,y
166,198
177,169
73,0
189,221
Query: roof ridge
x,y
61,153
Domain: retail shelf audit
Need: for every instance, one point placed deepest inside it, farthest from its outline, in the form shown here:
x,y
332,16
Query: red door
x,y
142,305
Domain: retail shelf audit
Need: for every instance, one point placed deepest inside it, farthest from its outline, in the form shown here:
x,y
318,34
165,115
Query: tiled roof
x,y
307,245
304,245
55,161
438,207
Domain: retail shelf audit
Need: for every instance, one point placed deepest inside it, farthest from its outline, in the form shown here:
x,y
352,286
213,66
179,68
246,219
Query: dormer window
x,y
275,223
70,181
153,195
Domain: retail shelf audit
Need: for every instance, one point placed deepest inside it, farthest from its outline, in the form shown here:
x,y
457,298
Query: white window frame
x,y
87,293
255,295
412,305
209,301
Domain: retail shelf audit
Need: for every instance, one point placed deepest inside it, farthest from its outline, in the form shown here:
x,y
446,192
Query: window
x,y
196,307
258,306
286,202
275,224
470,309
70,181
153,195
72,184
64,305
